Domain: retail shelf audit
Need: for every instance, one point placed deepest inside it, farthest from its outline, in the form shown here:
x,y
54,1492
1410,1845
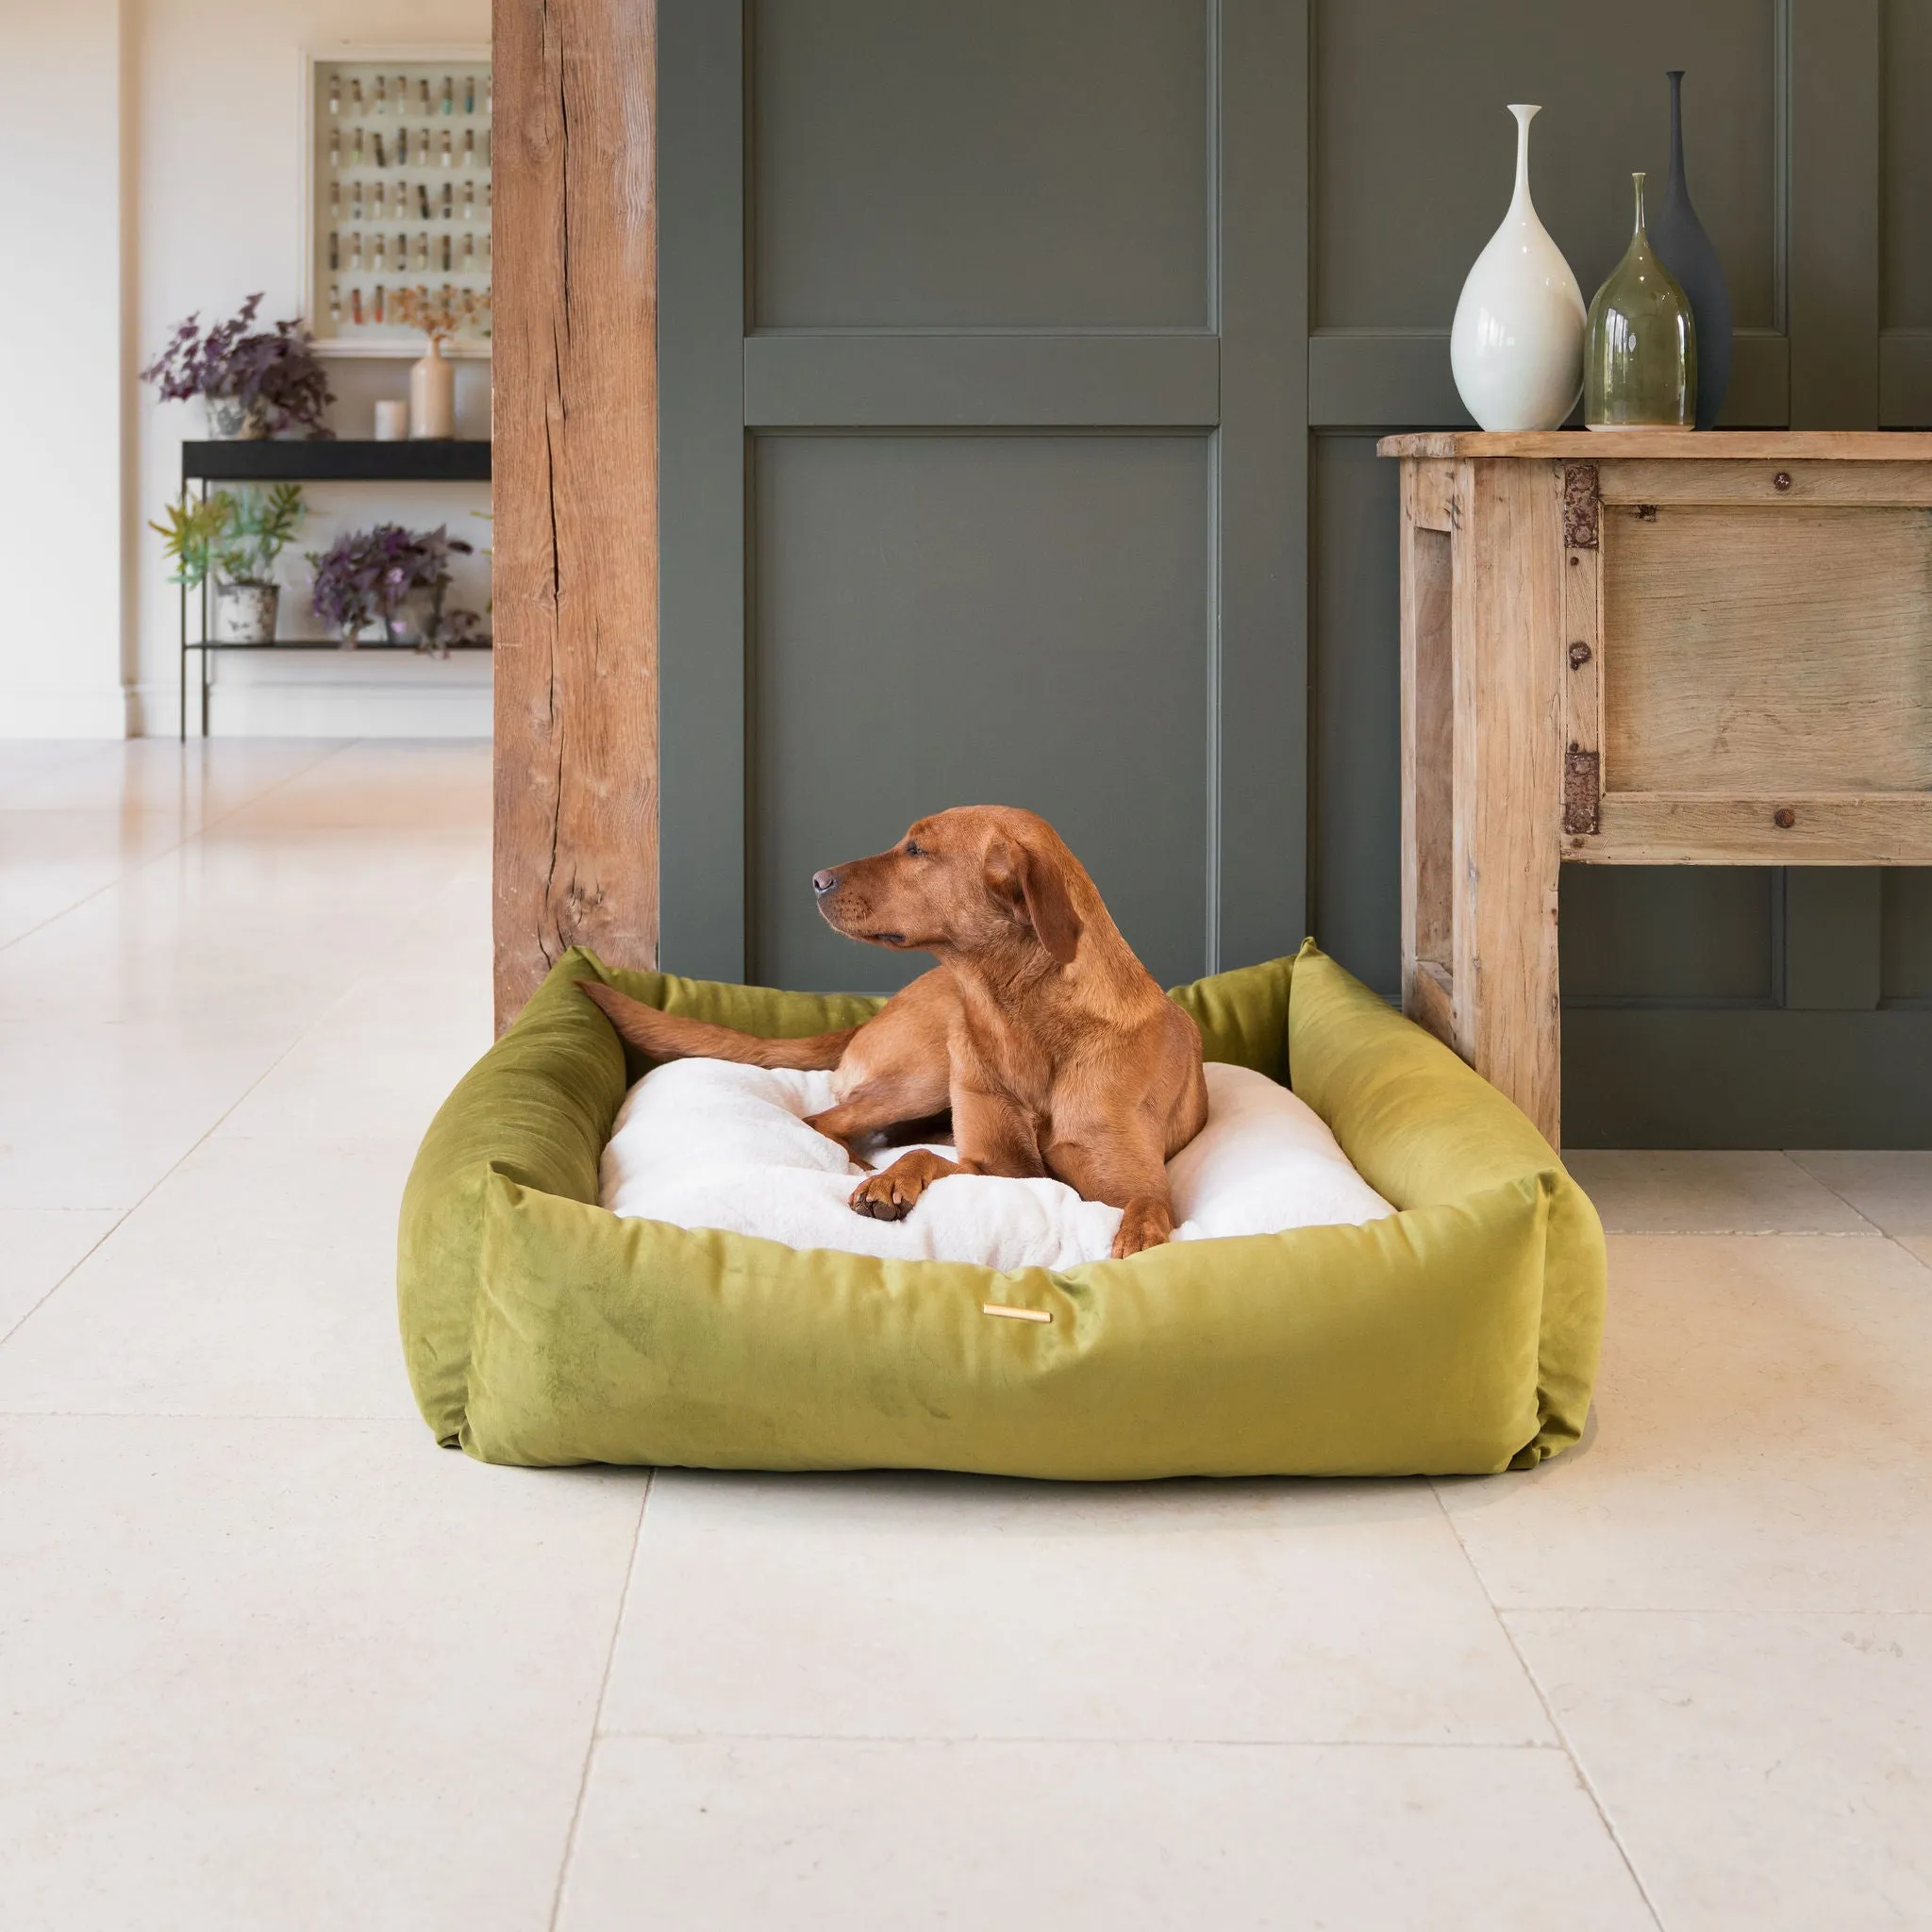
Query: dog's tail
x,y
671,1037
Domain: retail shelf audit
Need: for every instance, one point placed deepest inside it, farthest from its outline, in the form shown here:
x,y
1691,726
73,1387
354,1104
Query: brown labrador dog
x,y
1041,1033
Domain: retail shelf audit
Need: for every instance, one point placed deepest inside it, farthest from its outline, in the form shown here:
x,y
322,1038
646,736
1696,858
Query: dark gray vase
x,y
1678,240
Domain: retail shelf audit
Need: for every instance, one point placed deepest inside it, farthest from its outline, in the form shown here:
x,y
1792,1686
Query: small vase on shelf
x,y
1680,244
432,396
1640,355
1516,348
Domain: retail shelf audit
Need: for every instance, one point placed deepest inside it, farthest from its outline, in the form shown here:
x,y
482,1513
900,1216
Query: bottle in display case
x,y
356,222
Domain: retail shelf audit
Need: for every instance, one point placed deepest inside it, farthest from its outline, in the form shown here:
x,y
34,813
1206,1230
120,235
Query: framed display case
x,y
397,167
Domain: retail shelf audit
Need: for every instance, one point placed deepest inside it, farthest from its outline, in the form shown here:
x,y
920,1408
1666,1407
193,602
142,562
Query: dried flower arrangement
x,y
441,314
370,577
274,375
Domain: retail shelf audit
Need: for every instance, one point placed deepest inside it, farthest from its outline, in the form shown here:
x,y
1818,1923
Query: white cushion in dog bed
x,y
703,1144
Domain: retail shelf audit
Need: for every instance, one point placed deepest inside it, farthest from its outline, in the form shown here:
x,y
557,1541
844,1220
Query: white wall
x,y
62,368
150,166
220,188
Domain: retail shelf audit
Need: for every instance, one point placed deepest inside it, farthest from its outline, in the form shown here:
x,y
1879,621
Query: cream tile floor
x,y
268,1657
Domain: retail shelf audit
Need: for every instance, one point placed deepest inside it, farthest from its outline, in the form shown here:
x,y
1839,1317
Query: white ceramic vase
x,y
1516,348
432,396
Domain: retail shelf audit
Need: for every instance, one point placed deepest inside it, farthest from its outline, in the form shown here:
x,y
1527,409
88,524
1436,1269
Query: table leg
x,y
1427,749
1508,781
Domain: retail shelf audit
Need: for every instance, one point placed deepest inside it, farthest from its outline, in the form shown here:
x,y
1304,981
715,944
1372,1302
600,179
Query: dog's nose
x,y
823,882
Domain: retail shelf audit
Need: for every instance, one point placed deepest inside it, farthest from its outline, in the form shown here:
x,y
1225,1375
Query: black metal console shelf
x,y
322,460
334,459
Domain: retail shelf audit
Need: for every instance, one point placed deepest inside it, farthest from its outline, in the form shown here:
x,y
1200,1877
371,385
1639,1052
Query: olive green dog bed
x,y
1458,1336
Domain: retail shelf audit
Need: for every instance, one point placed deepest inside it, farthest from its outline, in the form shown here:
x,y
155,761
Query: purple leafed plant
x,y
276,371
370,577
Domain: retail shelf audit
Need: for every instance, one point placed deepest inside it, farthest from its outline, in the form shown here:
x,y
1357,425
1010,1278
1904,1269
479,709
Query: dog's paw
x,y
1144,1223
889,1196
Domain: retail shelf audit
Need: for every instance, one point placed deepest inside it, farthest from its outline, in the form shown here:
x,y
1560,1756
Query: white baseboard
x,y
92,712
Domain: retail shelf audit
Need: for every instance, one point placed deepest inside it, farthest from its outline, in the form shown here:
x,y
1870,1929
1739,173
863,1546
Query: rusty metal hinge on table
x,y
1582,790
1580,503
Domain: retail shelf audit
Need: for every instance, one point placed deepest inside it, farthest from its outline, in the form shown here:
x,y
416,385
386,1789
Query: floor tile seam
x,y
94,748
172,1168
1829,1188
430,917
187,838
1745,1613
1083,1739
9,1413
576,1814
1584,1782
1899,1243
8,1334
1869,1232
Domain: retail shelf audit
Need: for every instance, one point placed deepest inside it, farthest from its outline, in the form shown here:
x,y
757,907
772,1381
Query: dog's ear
x,y
1039,890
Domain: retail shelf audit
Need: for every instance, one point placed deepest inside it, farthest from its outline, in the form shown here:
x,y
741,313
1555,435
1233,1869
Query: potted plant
x,y
256,382
233,539
393,576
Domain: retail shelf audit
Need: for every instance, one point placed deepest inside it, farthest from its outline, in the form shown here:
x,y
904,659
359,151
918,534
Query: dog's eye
x,y
914,850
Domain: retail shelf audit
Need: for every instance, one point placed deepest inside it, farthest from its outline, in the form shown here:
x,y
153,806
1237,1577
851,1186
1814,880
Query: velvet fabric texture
x,y
1458,1337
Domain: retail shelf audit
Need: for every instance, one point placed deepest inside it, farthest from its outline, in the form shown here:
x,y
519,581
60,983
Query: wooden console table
x,y
1644,648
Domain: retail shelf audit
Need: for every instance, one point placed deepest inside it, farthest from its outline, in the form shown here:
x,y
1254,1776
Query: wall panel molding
x,y
865,379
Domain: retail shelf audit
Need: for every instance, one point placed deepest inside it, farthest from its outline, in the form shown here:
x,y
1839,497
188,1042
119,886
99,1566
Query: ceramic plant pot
x,y
1678,240
245,613
1640,360
1516,348
231,420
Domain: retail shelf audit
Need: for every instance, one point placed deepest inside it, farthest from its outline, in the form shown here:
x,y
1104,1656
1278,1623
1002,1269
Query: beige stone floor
x,y
269,1658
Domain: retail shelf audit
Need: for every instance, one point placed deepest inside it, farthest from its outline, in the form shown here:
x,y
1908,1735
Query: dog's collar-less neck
x,y
1103,974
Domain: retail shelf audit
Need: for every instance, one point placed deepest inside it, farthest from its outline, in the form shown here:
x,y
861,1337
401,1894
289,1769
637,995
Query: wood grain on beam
x,y
576,497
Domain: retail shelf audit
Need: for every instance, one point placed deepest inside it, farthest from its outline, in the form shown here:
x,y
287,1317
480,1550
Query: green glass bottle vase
x,y
1640,351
